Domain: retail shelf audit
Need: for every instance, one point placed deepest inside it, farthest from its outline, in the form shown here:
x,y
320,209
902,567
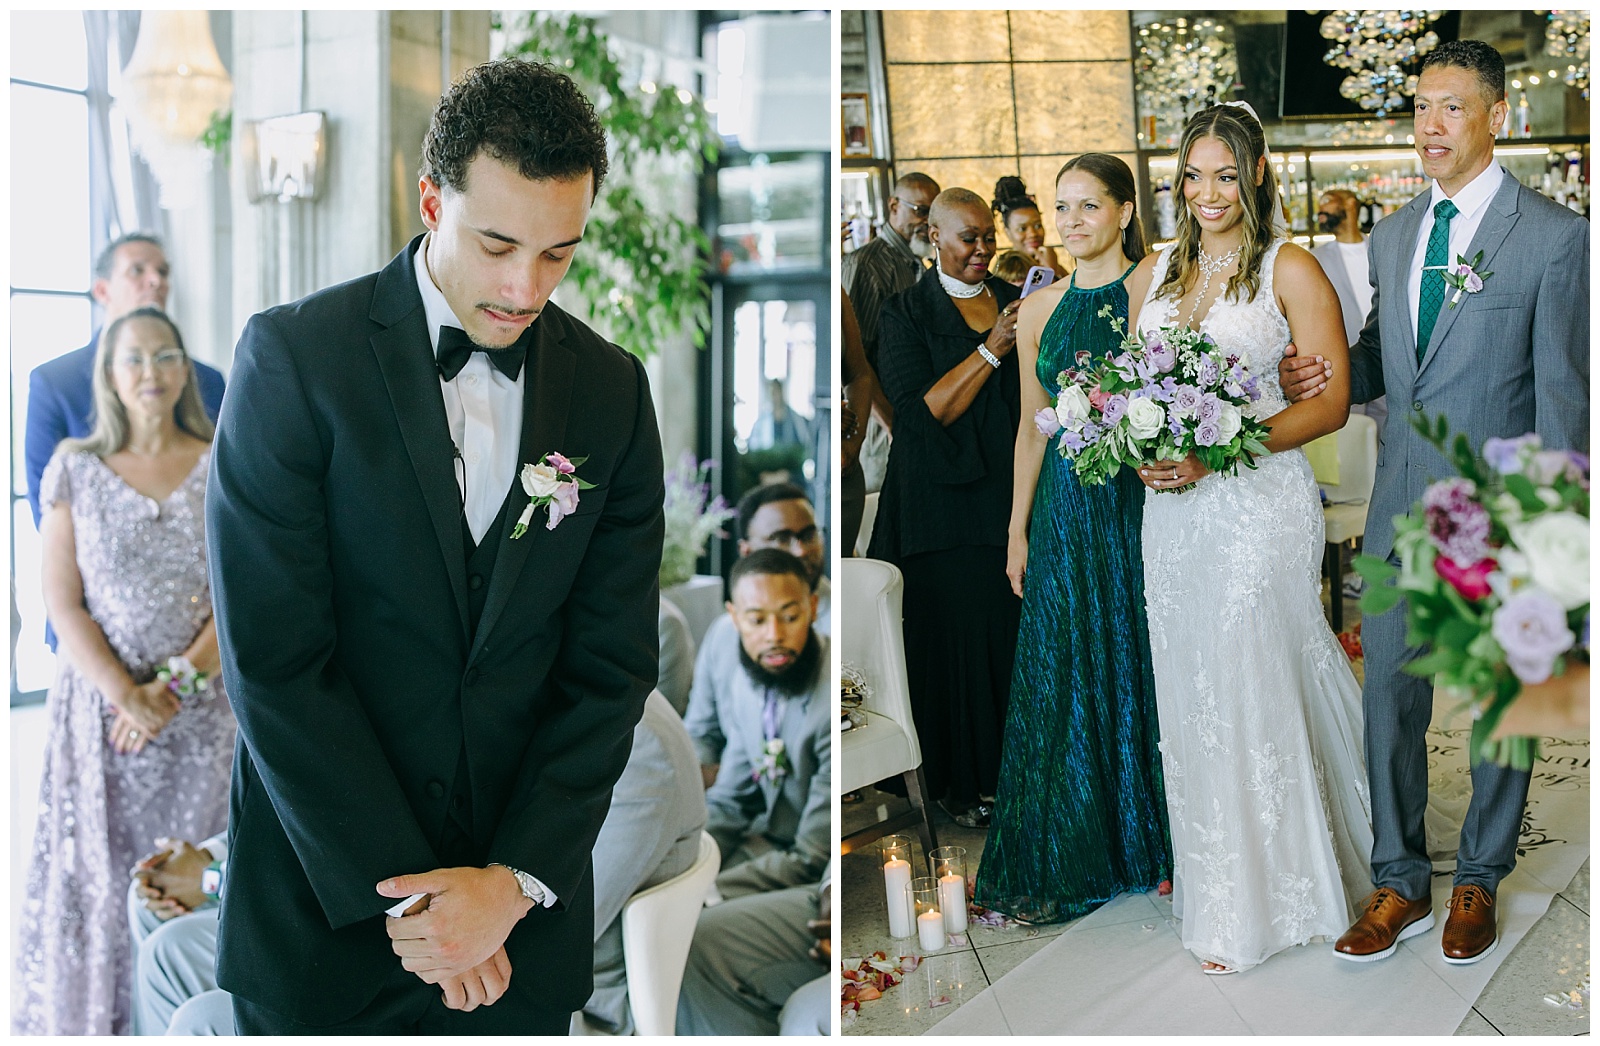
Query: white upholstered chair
x,y
887,745
1344,515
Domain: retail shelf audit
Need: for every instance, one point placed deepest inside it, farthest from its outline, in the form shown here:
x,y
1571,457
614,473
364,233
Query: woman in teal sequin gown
x,y
1080,815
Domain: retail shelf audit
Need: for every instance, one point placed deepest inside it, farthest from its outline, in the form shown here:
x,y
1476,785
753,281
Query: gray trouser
x,y
175,963
209,1013
748,957
1398,709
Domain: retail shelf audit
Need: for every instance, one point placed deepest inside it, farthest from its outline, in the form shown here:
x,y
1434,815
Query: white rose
x,y
540,481
1229,423
1557,547
1145,417
1072,408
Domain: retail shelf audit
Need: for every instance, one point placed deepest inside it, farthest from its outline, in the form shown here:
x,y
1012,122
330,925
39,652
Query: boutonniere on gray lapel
x,y
554,484
1464,276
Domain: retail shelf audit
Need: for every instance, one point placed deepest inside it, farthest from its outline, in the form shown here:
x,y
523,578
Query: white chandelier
x,y
1379,48
1181,64
1567,36
174,82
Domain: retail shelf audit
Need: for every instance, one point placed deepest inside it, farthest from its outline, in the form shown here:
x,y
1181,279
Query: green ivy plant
x,y
218,134
642,269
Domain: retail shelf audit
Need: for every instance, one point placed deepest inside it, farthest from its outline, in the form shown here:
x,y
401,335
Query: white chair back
x,y
869,516
887,746
1358,460
657,928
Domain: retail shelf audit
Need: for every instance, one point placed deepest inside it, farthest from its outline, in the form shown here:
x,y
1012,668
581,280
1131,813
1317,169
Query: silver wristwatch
x,y
528,885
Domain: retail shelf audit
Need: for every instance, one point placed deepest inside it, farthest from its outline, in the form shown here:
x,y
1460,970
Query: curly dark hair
x,y
526,114
1478,58
1010,194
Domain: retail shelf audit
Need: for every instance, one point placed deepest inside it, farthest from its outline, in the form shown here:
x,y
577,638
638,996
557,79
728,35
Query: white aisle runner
x,y
1123,970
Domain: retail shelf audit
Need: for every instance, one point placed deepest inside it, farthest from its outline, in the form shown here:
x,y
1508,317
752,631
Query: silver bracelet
x,y
989,357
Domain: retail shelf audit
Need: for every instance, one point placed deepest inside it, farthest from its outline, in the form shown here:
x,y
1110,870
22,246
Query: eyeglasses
x,y
133,363
917,210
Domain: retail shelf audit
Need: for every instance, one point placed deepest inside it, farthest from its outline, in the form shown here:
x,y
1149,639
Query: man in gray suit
x,y
1510,358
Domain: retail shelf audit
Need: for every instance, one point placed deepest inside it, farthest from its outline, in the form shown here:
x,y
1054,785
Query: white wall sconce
x,y
284,157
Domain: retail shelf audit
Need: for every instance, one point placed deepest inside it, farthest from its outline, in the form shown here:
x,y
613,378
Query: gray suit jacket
x,y
1328,257
1511,359
650,834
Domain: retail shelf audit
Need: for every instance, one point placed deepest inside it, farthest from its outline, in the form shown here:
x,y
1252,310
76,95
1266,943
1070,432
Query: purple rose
x,y
1114,409
1161,356
1210,409
1505,455
1532,629
562,503
1210,373
1457,525
562,465
1045,418
1208,434
1186,400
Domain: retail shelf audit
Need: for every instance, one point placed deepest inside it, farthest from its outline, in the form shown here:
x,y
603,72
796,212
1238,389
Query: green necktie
x,y
1431,295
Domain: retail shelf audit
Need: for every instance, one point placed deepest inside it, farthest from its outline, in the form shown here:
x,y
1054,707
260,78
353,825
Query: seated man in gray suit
x,y
1507,359
650,834
759,965
770,805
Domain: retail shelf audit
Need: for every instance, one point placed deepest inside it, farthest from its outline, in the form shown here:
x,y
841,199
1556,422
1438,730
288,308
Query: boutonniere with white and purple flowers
x,y
1464,276
774,763
554,484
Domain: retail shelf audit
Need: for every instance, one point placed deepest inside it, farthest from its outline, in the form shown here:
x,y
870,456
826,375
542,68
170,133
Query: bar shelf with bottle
x,y
1383,177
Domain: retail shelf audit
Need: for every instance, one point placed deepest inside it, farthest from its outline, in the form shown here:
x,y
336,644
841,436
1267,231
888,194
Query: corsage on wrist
x,y
181,677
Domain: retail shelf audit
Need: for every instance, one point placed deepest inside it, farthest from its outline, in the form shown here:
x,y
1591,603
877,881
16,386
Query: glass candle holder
x,y
930,922
950,869
896,852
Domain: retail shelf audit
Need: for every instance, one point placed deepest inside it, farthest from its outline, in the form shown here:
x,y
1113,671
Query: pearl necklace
x,y
957,289
1209,266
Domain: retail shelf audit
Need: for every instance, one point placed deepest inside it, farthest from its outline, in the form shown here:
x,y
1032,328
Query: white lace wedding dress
x,y
1260,716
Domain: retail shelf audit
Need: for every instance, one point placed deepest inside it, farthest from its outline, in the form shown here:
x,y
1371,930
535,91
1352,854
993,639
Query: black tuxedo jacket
x,y
341,590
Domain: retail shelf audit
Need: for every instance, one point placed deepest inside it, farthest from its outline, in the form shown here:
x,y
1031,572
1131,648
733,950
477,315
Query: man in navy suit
x,y
129,274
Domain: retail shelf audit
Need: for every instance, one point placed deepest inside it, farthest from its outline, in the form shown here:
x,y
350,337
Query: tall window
x,y
50,273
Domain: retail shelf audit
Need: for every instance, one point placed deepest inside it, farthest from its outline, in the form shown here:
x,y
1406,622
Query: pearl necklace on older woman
x,y
957,289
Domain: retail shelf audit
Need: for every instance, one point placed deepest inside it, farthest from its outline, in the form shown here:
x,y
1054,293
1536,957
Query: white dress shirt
x,y
1471,203
1354,256
484,408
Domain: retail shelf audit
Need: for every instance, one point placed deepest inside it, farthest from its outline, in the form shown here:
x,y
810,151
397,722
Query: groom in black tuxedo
x,y
431,711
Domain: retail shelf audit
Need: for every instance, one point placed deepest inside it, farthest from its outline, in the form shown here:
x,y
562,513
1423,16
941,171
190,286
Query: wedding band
x,y
133,734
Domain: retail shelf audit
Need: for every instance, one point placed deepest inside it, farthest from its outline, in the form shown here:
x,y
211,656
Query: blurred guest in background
x,y
860,388
946,363
1012,266
1344,259
893,261
1024,225
141,734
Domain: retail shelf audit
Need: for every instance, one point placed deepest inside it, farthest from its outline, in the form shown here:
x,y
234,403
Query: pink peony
x,y
1472,582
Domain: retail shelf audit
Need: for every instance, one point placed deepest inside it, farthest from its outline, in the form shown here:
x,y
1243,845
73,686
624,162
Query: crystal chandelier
x,y
1567,36
1181,64
172,85
1379,47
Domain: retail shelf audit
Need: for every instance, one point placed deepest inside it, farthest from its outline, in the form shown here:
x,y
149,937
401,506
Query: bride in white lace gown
x,y
1260,715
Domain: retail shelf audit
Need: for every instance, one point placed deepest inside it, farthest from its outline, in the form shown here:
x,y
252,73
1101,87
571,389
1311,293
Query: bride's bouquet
x,y
1494,568
1159,399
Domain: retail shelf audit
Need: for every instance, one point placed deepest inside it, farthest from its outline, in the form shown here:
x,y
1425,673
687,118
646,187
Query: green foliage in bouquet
x,y
642,270
1490,560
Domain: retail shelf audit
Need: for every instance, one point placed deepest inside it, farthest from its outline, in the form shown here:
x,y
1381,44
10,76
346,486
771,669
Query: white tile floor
x,y
1552,958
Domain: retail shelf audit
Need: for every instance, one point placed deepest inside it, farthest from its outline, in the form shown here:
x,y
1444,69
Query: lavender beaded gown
x,y
144,583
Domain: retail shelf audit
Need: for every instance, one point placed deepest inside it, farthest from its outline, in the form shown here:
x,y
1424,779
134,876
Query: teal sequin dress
x,y
1080,815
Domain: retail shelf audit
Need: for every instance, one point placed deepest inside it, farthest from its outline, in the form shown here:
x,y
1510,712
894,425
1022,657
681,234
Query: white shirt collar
x,y
434,307
1474,195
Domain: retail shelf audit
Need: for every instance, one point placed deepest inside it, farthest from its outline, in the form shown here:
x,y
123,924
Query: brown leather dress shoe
x,y
1386,920
1469,931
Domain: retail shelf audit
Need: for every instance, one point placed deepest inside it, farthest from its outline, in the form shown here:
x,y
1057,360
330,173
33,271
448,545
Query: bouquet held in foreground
x,y
1162,399
1494,568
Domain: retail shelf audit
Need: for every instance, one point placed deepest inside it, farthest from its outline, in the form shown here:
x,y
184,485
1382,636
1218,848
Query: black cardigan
x,y
946,486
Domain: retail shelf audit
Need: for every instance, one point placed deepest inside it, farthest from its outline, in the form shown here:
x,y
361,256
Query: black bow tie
x,y
455,349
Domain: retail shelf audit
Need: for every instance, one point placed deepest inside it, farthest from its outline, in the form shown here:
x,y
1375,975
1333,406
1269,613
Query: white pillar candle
x,y
897,884
953,902
930,931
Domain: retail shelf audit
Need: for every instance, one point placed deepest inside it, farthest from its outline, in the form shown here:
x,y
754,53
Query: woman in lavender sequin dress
x,y
126,761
